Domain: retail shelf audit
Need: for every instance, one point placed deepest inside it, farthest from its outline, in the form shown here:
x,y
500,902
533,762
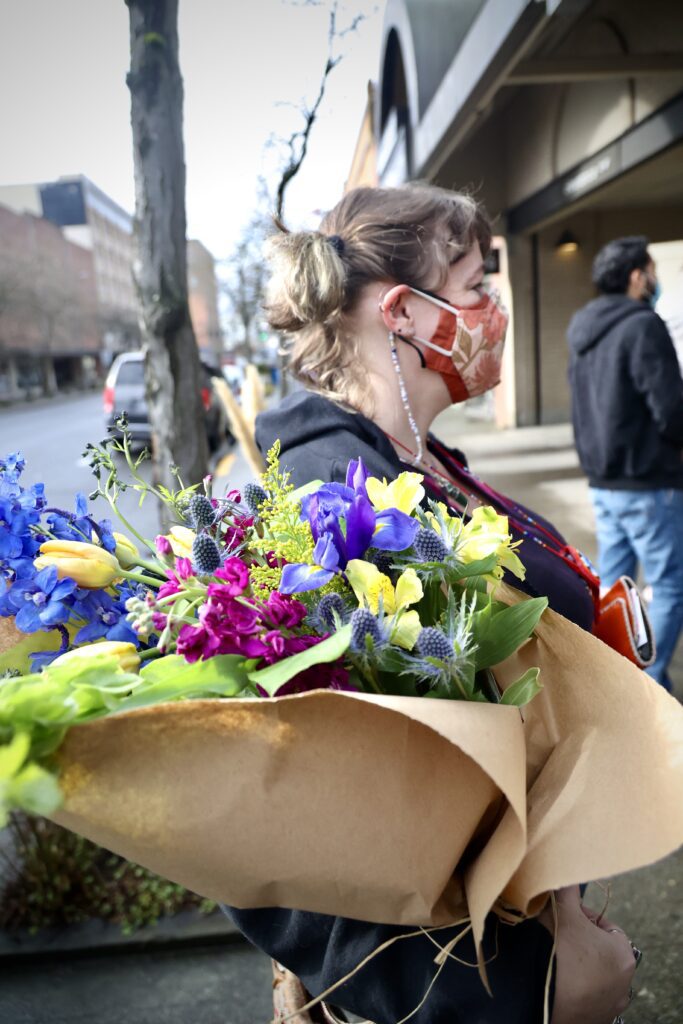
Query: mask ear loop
x,y
404,400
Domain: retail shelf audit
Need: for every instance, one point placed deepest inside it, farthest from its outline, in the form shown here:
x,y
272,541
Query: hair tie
x,y
337,243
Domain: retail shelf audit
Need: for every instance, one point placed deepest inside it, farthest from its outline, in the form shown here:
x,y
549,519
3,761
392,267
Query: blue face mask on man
x,y
652,290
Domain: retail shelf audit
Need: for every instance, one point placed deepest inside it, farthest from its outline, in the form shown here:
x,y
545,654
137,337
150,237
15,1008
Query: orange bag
x,y
624,625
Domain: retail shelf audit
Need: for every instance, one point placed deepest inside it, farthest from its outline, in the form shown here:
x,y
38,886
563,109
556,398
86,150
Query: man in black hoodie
x,y
627,410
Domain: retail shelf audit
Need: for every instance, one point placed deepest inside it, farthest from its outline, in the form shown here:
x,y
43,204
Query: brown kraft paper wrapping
x,y
364,806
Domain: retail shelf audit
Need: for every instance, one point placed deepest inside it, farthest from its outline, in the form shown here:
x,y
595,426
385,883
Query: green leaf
x,y
13,755
467,570
173,678
273,677
305,489
34,790
499,633
523,689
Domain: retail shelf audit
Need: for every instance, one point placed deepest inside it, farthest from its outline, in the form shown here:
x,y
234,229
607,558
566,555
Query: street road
x,y
52,435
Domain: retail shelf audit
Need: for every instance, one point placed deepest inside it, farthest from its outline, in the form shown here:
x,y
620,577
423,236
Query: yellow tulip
x,y
125,653
88,564
126,552
404,493
180,538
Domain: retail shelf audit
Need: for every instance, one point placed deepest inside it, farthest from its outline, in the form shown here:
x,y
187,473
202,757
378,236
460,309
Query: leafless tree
x,y
243,277
297,143
172,360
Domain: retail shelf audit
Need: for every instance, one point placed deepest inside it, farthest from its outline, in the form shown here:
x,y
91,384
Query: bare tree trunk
x,y
171,355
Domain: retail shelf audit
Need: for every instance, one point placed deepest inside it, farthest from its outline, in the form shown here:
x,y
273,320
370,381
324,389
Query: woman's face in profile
x,y
463,288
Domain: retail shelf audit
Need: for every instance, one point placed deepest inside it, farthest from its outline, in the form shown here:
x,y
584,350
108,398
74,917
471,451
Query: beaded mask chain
x,y
419,452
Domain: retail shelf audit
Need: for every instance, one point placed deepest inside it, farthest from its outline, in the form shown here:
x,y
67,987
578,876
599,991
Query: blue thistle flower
x,y
253,496
330,603
201,512
206,555
363,624
433,643
429,547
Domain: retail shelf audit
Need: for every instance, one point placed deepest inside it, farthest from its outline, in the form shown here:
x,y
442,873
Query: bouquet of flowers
x,y
362,637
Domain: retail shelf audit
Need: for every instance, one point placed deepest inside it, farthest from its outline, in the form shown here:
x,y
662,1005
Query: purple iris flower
x,y
356,475
41,602
297,578
342,519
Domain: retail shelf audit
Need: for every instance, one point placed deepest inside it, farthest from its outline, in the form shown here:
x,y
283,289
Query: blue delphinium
x,y
38,600
79,525
104,615
20,512
42,601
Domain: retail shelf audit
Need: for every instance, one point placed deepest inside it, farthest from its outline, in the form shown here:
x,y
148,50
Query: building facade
x,y
49,336
91,219
95,233
203,299
566,118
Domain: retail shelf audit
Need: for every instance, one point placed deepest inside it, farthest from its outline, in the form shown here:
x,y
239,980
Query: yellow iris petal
x,y
487,533
408,588
368,584
406,631
404,493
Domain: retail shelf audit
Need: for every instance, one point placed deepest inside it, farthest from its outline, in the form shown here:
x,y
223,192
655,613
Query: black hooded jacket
x,y
627,396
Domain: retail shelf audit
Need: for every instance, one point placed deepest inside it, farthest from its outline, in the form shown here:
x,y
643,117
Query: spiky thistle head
x,y
253,495
429,547
331,604
201,512
364,624
433,643
206,555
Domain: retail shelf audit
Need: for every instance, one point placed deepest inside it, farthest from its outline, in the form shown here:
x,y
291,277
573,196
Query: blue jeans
x,y
645,527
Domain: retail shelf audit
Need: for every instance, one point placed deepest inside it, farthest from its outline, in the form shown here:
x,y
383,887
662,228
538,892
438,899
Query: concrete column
x,y
49,377
13,392
520,264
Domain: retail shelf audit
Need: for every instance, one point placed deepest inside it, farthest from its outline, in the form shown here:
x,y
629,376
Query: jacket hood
x,y
590,325
303,418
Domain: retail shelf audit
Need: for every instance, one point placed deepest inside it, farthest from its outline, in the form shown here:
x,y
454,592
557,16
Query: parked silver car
x,y
124,391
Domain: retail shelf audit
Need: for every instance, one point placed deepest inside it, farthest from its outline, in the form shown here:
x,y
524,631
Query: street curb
x,y
95,937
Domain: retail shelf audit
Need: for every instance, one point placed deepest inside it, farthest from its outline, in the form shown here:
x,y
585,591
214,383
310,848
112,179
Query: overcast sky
x,y
65,106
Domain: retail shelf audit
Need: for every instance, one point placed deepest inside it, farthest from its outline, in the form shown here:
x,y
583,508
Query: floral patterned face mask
x,y
466,349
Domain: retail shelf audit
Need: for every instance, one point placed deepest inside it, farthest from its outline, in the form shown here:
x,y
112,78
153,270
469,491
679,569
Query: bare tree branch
x,y
298,141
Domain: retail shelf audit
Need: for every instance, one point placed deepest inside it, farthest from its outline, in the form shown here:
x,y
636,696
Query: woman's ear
x,y
394,310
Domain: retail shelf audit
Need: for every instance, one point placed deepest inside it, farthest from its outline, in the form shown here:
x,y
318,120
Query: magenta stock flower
x,y
235,575
283,610
236,532
184,568
162,545
195,642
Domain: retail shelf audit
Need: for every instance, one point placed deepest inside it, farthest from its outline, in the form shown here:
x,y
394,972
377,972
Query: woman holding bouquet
x,y
389,325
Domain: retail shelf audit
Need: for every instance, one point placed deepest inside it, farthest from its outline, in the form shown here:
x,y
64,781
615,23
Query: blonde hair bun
x,y
308,281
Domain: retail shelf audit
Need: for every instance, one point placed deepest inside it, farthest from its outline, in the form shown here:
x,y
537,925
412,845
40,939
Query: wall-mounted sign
x,y
592,173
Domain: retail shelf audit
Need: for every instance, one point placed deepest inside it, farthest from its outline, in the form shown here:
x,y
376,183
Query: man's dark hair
x,y
613,265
